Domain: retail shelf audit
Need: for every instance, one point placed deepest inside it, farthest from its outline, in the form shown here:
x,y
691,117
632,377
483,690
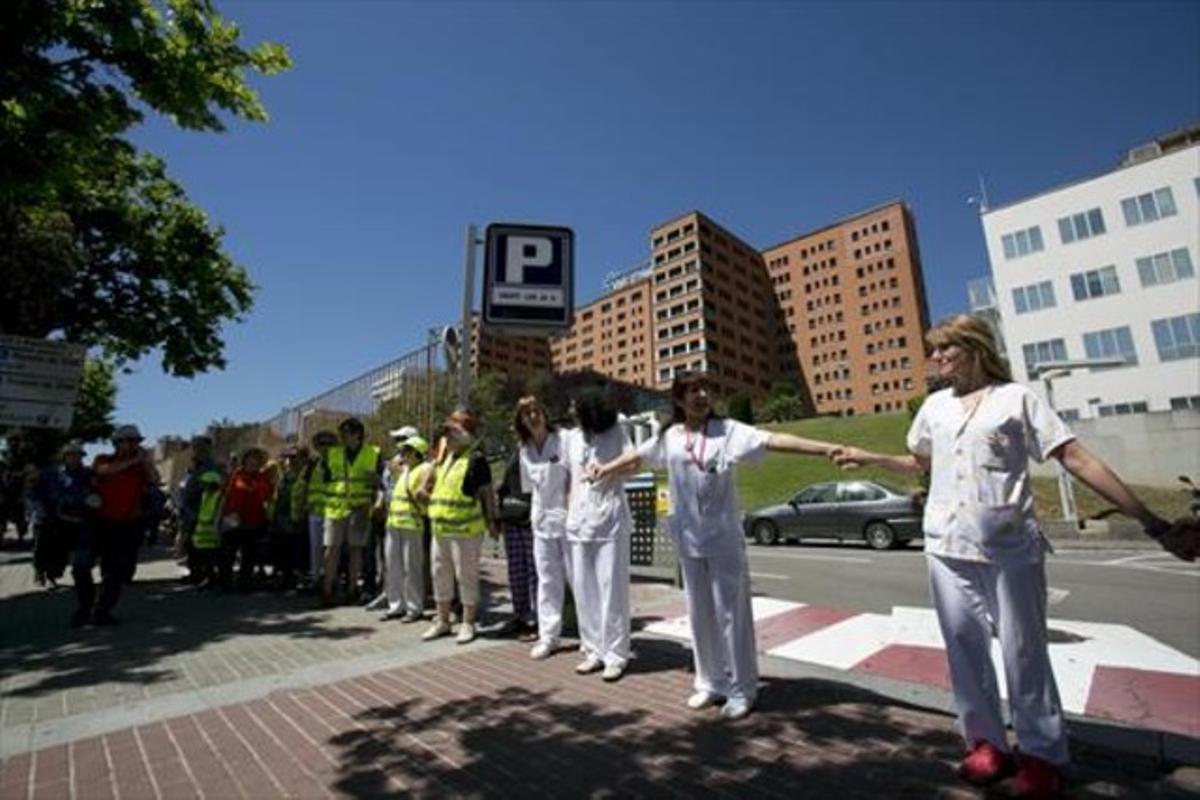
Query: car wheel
x,y
765,532
880,536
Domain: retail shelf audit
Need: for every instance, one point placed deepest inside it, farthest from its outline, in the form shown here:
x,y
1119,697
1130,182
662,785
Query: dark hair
x,y
684,380
351,425
595,412
524,404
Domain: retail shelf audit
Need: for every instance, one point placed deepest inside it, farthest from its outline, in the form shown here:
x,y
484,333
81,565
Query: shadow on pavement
x,y
160,618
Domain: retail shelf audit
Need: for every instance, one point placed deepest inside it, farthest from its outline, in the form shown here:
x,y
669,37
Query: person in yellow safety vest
x,y
462,507
353,475
314,500
404,552
206,537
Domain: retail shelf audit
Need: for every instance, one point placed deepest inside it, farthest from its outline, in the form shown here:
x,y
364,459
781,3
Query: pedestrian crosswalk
x,y
1104,670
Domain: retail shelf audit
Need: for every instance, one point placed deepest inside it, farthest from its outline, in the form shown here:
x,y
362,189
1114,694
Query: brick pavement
x,y
479,721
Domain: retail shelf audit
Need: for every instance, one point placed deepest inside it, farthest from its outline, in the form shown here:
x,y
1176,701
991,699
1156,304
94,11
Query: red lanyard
x,y
690,447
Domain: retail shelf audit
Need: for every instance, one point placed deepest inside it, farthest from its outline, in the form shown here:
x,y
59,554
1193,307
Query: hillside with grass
x,y
779,476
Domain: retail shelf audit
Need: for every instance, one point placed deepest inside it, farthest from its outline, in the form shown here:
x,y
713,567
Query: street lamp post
x,y
1047,371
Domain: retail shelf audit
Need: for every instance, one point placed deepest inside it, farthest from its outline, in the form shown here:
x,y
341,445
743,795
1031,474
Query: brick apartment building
x,y
840,312
853,302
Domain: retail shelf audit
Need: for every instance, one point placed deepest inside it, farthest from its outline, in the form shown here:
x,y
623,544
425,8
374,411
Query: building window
x,y
1034,297
1081,226
1095,283
1068,414
1177,337
1040,352
1022,243
1148,207
1121,409
1110,343
1184,403
1165,267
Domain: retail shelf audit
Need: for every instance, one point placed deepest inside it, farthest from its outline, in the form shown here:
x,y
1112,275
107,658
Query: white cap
x,y
407,432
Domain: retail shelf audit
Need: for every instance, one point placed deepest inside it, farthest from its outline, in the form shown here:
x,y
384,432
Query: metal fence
x,y
408,385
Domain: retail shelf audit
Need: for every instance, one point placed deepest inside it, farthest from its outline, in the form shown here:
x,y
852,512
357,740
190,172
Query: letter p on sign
x,y
523,252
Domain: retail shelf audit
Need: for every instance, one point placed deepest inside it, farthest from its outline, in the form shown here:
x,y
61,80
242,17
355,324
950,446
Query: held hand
x,y
1181,538
848,457
592,472
494,529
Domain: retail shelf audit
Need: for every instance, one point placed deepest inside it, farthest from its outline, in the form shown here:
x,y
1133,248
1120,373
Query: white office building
x,y
1106,268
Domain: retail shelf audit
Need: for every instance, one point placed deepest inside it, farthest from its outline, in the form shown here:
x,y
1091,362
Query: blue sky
x,y
403,122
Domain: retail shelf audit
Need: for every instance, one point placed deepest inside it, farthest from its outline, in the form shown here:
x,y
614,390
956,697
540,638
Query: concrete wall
x,y
1151,449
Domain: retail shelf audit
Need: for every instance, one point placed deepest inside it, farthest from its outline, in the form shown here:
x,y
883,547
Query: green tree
x,y
781,408
741,408
97,243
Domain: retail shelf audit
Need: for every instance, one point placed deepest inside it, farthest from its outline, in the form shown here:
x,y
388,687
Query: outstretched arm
x,y
1182,541
625,463
787,443
908,464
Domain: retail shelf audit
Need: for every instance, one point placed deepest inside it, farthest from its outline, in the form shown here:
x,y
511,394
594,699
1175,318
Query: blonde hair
x,y
975,337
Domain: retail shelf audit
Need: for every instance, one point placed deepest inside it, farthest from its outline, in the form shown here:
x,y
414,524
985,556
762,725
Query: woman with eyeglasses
x,y
699,450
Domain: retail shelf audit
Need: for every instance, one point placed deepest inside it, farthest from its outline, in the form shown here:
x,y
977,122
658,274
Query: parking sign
x,y
528,278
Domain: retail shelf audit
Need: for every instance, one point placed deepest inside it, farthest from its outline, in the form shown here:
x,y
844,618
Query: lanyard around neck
x,y
690,446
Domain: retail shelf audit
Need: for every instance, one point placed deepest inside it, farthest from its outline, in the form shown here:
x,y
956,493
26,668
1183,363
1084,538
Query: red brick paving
x,y
1172,701
492,723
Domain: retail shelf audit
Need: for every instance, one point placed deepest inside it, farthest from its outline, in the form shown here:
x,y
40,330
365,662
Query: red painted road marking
x,y
1164,701
779,628
912,663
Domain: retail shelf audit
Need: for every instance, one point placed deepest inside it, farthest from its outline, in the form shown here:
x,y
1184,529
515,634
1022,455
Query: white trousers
x,y
316,543
552,559
404,567
600,582
972,597
722,624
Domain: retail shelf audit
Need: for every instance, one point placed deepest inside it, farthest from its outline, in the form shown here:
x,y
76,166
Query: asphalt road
x,y
1145,589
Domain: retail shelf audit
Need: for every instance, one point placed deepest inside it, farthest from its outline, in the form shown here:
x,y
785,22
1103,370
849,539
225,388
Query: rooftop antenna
x,y
981,199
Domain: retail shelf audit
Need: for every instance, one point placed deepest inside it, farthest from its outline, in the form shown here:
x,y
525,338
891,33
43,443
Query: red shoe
x,y
1037,779
986,764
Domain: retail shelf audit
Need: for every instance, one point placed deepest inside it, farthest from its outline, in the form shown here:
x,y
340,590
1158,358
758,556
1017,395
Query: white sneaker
x,y
703,700
436,631
735,708
466,633
588,665
613,672
541,651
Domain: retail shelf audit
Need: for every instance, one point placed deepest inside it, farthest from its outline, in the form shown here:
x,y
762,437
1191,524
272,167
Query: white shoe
x,y
735,708
613,672
466,633
588,665
541,651
703,700
436,631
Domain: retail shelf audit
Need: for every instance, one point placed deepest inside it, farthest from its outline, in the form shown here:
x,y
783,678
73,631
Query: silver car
x,y
881,516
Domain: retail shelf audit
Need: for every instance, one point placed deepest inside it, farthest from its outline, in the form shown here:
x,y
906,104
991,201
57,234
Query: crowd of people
x,y
403,532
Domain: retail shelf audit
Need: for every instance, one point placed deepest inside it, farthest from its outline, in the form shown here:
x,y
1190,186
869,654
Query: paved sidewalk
x,y
260,696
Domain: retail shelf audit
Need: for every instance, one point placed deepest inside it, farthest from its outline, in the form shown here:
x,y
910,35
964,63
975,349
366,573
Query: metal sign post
x,y
39,381
464,338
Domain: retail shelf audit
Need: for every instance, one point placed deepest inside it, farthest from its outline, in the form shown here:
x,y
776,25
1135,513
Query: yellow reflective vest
x,y
316,489
405,511
452,512
351,483
206,536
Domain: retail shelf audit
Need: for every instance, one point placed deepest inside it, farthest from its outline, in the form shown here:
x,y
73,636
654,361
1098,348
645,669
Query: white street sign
x,y
39,381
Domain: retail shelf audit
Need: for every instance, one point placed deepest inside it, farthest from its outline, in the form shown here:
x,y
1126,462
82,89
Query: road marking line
x,y
770,576
1054,595
813,557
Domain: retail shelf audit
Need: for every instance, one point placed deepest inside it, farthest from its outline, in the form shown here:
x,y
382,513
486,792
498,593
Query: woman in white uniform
x,y
986,551
699,450
545,477
598,528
